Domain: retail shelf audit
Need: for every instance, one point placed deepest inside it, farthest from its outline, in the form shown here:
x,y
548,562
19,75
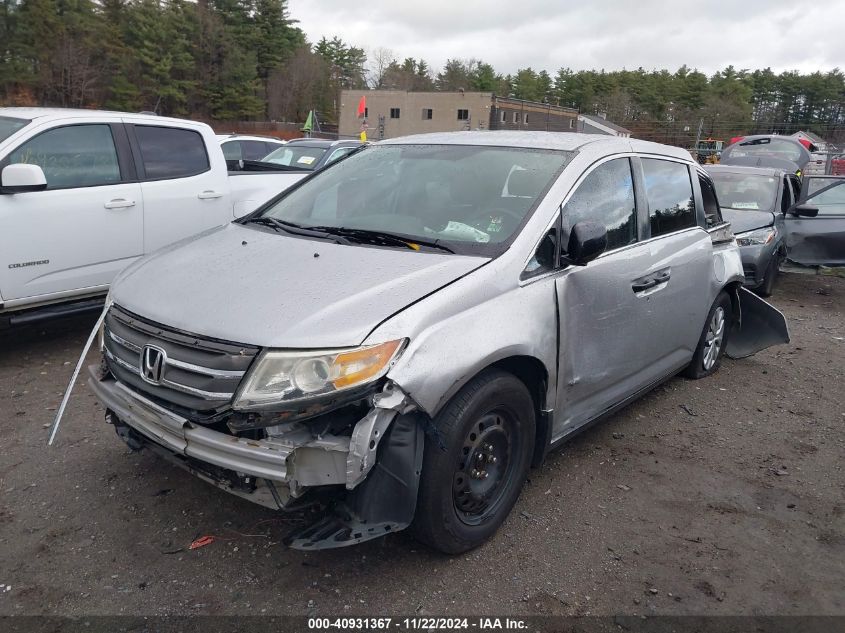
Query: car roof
x,y
742,169
565,141
70,113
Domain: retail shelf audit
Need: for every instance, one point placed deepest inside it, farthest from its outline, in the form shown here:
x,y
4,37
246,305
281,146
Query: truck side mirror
x,y
21,178
587,240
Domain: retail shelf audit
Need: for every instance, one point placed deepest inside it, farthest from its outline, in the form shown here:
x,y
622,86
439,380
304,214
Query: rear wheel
x,y
468,489
714,339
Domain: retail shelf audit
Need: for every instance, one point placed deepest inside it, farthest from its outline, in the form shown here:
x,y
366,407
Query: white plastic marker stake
x,y
75,375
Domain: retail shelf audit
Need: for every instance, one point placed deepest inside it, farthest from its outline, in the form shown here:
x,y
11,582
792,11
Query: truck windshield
x,y
9,126
471,198
745,191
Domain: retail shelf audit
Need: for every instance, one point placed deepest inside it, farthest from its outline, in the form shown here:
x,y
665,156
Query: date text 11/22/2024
x,y
416,624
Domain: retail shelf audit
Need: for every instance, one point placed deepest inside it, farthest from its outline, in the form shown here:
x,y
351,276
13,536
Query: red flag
x,y
362,107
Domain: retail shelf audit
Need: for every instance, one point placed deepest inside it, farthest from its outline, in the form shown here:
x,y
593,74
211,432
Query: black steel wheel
x,y
468,486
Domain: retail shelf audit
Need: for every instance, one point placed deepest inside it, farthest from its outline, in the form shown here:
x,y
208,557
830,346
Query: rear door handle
x,y
209,195
119,203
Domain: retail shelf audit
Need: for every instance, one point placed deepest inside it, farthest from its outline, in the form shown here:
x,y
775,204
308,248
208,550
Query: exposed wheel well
x,y
732,289
533,374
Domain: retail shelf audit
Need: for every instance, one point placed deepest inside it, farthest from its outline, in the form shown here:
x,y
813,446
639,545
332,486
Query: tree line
x,y
248,60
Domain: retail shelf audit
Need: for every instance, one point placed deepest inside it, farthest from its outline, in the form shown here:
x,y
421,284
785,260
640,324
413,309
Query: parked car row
x,y
775,212
399,337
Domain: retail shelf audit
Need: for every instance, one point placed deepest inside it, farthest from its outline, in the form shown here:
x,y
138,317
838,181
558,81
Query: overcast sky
x,y
609,34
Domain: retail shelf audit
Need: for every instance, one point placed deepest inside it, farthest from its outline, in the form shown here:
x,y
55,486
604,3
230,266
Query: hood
x,y
747,219
258,287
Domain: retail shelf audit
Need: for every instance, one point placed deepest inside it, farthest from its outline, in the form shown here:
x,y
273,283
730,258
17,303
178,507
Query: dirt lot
x,y
721,496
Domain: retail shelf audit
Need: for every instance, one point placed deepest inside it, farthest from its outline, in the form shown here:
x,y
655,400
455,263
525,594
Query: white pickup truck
x,y
83,193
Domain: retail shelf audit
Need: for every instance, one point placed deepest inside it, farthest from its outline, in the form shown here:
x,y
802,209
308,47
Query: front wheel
x,y
469,485
711,346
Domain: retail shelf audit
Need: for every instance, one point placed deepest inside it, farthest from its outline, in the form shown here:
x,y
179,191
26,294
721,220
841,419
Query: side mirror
x,y
587,240
21,178
804,210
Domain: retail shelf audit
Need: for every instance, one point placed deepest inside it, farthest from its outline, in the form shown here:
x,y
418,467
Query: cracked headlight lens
x,y
758,236
284,376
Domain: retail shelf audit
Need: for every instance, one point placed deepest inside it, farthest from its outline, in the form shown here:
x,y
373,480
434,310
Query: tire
x,y
705,361
487,427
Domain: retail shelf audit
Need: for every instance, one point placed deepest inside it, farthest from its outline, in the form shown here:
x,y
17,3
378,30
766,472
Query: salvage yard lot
x,y
719,496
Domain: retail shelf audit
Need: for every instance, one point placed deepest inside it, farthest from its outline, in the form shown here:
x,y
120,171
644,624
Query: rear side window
x,y
669,192
606,195
170,152
72,156
232,150
254,150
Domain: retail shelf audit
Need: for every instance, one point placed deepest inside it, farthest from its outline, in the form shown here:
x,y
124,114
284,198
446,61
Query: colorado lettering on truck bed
x,y
83,193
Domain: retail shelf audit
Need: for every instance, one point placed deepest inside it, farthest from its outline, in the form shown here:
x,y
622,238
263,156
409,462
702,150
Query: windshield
x,y
745,191
300,156
468,197
9,126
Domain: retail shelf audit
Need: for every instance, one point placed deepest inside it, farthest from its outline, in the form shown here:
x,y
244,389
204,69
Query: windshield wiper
x,y
296,229
381,238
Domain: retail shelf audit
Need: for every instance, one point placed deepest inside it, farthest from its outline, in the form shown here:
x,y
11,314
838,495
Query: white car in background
x,y
83,193
247,147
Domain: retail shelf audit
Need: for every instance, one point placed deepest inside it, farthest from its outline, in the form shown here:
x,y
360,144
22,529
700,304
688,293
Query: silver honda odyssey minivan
x,y
401,336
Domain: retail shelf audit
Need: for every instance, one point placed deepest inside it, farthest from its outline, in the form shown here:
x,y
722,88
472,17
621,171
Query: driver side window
x,y
72,156
606,196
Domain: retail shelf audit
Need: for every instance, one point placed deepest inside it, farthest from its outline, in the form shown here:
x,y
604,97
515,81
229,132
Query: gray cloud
x,y
609,34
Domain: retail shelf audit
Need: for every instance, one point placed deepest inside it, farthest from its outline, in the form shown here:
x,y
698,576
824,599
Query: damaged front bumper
x,y
278,469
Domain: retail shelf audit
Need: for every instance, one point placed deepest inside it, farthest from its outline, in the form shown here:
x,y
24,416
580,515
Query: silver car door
x,y
600,316
680,254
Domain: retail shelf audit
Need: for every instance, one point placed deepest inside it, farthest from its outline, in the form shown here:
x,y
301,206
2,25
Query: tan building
x,y
392,113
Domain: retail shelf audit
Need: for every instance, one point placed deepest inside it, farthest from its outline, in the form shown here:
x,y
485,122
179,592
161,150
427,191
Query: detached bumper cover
x,y
761,325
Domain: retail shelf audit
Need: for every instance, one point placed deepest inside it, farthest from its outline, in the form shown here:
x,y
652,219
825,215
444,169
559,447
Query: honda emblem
x,y
153,362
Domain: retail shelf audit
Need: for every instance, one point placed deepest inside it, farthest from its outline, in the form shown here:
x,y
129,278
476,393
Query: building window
x,y
463,115
504,117
571,124
516,117
394,113
427,114
525,118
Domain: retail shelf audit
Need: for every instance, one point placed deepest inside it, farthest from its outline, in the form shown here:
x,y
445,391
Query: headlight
x,y
758,236
285,377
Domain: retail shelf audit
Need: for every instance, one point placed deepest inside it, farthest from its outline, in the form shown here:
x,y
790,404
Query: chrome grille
x,y
195,373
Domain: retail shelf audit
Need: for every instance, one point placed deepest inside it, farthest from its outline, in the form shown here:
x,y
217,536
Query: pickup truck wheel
x,y
469,486
714,339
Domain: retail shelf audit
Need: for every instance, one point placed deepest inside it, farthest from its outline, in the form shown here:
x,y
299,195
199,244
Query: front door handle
x,y
208,194
650,281
644,284
119,203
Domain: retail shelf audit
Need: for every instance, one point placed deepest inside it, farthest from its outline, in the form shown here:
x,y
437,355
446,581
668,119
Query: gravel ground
x,y
719,496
